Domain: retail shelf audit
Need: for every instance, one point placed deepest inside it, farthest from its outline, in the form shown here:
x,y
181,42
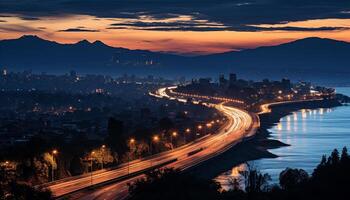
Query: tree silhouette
x,y
291,178
115,139
255,181
170,184
344,155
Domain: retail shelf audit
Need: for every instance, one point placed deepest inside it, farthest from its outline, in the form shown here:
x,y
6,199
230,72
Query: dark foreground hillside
x,y
330,180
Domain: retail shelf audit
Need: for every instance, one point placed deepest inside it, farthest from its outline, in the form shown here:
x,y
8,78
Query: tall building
x,y
222,80
286,83
232,78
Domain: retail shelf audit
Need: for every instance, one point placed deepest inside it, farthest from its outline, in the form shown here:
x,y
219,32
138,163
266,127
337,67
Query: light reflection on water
x,y
227,178
311,134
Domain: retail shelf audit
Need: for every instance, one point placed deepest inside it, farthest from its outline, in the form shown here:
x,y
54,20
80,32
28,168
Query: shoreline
x,y
258,146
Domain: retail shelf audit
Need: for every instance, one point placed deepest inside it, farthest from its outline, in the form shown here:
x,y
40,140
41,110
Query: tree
x,y
18,191
344,155
76,166
115,139
292,178
334,158
255,181
171,184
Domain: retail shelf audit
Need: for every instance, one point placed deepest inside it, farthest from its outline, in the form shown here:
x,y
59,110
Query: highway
x,y
239,125
266,108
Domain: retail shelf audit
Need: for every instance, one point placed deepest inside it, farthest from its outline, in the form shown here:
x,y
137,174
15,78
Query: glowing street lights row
x,y
155,139
208,97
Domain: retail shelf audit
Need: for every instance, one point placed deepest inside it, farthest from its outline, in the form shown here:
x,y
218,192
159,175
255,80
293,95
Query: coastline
x,y
258,146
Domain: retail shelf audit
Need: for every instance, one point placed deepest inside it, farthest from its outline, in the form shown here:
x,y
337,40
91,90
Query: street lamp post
x,y
155,139
92,153
132,141
54,152
174,134
103,153
187,131
199,127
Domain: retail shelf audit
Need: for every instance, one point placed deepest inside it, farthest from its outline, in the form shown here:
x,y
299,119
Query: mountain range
x,y
314,59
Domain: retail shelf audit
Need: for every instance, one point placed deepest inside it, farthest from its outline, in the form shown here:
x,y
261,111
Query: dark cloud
x,y
202,26
29,18
177,25
289,28
18,28
234,14
78,30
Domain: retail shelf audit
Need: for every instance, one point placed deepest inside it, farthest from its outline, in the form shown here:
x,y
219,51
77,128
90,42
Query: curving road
x,y
240,124
266,108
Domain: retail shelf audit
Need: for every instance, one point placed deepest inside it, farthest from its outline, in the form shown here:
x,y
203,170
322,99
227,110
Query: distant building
x,y
204,81
285,83
232,79
222,80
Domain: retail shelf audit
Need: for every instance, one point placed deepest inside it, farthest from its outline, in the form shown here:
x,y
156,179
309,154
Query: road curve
x,y
240,124
266,108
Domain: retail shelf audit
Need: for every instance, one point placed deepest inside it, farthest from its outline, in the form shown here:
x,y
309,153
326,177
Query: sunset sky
x,y
184,27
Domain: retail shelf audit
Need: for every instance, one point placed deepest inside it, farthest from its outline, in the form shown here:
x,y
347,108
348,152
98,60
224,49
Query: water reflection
x,y
227,180
290,123
310,132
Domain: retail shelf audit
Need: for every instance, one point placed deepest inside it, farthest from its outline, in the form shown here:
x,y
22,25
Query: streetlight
x,y
199,127
187,131
103,147
173,134
155,139
132,141
54,152
92,153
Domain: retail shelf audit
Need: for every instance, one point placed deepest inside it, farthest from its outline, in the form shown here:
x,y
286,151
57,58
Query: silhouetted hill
x,y
314,59
32,52
309,58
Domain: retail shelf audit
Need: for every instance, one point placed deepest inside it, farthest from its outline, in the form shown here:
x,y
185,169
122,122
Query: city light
x,y
132,141
200,127
188,130
174,133
54,152
155,138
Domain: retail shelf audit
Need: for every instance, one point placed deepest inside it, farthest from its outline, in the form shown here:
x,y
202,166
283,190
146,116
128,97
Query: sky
x,y
188,27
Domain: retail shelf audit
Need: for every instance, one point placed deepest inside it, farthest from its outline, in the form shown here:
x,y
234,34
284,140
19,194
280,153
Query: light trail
x,y
239,125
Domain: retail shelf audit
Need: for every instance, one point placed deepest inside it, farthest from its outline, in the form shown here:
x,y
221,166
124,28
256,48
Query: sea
x,y
310,133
